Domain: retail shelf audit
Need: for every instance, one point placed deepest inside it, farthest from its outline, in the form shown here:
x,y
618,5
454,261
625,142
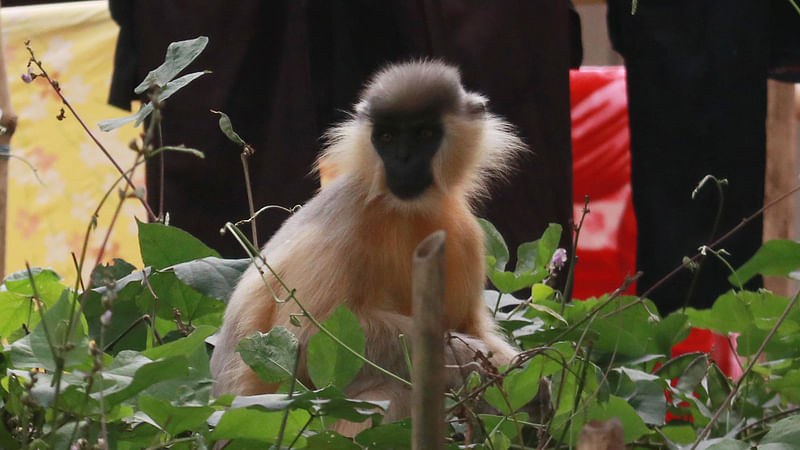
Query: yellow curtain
x,y
47,217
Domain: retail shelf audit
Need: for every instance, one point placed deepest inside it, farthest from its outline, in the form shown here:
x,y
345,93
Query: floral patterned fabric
x,y
47,217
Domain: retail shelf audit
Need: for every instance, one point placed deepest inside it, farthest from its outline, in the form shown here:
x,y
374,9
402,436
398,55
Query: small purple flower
x,y
27,77
558,260
105,319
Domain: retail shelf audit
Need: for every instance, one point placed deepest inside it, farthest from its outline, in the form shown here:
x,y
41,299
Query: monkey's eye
x,y
386,137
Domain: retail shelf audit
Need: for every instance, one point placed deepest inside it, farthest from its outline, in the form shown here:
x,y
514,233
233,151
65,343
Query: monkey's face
x,y
407,145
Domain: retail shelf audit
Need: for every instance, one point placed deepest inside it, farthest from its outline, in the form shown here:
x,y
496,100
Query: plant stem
x,y
246,152
102,148
716,243
54,350
574,260
707,429
286,411
252,252
766,419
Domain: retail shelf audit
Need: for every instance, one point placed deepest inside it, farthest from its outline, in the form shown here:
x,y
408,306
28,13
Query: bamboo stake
x,y
9,122
428,281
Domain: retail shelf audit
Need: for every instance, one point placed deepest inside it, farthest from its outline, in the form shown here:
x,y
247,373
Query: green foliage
x,y
328,362
179,55
272,355
123,358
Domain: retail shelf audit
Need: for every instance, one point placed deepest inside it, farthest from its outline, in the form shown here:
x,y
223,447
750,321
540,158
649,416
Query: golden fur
x,y
352,243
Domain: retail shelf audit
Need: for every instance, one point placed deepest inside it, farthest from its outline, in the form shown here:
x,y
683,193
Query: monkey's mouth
x,y
409,189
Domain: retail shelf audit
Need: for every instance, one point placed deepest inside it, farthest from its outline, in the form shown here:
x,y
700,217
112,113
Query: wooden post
x,y
427,343
781,173
9,122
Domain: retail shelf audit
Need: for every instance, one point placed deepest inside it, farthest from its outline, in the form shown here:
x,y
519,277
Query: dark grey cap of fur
x,y
416,87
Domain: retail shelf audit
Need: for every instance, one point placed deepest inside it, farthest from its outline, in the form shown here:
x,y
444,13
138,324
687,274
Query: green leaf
x,y
145,110
785,431
730,444
47,282
108,273
195,308
395,435
548,311
17,311
328,362
491,299
526,257
131,373
548,244
211,276
227,128
632,425
259,425
718,386
330,402
271,355
163,246
124,310
541,291
677,365
679,434
778,257
499,441
34,350
494,244
520,386
183,346
330,440
179,149
693,374
179,55
788,386
175,419
734,313
112,124
20,281
7,441
670,330
503,424
644,392
508,282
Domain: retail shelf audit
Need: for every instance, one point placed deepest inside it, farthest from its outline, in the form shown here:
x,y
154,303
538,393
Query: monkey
x,y
415,156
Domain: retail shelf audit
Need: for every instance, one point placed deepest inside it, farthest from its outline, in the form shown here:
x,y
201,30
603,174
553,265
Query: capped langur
x,y
414,156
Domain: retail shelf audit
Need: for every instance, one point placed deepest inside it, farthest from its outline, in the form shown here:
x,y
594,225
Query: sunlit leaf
x,y
271,355
163,246
778,257
179,55
330,363
494,244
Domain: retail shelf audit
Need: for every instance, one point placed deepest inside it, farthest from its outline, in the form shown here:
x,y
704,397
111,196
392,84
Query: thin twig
x,y
255,256
766,419
247,151
716,243
753,361
571,272
54,84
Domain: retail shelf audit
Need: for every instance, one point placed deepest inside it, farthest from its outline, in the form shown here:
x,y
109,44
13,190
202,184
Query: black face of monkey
x,y
407,145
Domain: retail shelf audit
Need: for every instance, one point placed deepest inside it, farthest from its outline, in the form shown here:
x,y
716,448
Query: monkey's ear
x,y
476,104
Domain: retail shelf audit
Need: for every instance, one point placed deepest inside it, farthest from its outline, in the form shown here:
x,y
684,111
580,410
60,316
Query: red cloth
x,y
601,170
